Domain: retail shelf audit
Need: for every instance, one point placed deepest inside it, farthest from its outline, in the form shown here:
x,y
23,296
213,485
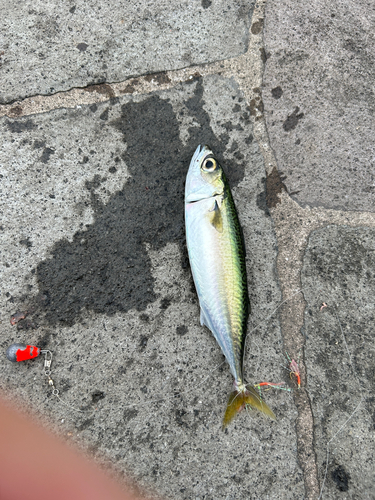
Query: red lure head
x,y
22,352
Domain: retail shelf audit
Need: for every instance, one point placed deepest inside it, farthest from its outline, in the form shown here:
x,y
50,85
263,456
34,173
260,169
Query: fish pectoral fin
x,y
215,217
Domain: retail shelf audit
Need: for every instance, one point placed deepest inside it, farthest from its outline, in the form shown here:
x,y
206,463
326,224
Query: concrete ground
x,y
102,107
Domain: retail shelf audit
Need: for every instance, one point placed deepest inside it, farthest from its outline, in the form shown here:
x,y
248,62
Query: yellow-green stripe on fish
x,y
217,260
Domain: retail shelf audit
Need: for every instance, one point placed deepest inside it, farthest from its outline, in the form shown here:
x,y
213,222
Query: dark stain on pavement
x,y
16,111
341,478
20,126
104,115
130,87
97,395
82,47
274,187
26,242
277,92
181,330
264,55
292,120
106,268
38,144
47,152
256,105
261,200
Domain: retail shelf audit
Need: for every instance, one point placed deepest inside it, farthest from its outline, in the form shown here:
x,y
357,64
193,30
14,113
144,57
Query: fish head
x,y
205,177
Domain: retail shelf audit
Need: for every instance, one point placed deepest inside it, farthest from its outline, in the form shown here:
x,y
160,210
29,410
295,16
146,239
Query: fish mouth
x,y
201,147
195,197
199,152
205,147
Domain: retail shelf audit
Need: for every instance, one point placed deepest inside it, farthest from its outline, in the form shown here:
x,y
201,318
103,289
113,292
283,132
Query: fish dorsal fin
x,y
216,218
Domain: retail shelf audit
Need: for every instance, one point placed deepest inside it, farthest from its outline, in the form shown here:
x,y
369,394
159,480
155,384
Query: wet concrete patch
x,y
338,270
132,334
106,267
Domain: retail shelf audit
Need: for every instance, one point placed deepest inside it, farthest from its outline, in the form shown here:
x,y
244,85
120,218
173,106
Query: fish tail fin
x,y
238,399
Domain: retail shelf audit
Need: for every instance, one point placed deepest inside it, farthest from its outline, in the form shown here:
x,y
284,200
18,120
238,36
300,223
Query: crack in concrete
x,y
243,68
92,94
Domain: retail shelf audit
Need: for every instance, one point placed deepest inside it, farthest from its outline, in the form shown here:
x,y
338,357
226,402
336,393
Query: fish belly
x,y
218,271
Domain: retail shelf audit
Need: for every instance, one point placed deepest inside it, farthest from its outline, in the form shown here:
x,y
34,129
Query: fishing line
x,y
278,307
88,411
347,348
332,438
356,409
264,321
351,364
55,391
248,335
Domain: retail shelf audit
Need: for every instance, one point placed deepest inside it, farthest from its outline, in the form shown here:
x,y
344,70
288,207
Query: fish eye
x,y
209,164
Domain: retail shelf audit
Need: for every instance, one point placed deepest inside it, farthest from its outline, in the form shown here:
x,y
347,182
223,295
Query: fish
x,y
216,252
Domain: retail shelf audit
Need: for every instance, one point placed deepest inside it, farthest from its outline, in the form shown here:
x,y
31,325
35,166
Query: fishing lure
x,y
21,352
294,370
